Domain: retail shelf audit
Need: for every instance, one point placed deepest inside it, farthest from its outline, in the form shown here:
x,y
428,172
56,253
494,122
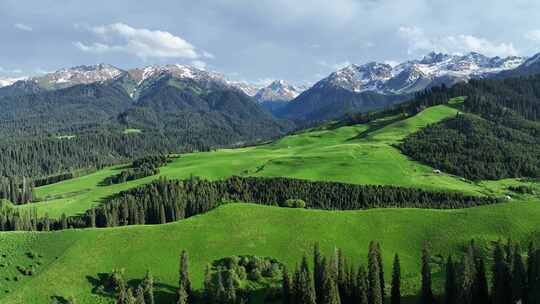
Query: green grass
x,y
362,154
70,256
333,154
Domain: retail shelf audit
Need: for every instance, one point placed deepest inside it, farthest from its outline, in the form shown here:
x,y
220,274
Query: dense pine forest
x,y
165,201
57,132
499,275
497,138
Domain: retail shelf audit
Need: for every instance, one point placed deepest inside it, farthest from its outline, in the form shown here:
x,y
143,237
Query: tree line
x,y
499,141
17,190
142,167
166,200
506,275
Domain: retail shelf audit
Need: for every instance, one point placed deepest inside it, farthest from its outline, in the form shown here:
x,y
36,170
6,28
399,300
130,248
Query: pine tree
x,y
426,293
396,281
465,278
208,286
480,287
501,291
181,296
361,288
286,287
139,296
183,277
147,286
374,282
162,217
306,288
381,271
331,293
317,271
340,276
532,274
450,284
519,277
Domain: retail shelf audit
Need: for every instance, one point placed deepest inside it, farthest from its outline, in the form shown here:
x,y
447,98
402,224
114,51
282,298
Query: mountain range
x,y
374,85
354,88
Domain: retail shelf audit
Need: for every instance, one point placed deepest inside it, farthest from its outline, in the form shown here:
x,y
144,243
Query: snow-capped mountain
x,y
249,89
277,91
134,80
83,74
9,81
414,75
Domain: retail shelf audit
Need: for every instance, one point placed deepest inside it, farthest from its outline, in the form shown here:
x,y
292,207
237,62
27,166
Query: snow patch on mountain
x,y
83,74
279,90
414,75
9,81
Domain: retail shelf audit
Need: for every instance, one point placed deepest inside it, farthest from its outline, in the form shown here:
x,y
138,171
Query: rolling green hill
x,y
66,263
360,154
71,258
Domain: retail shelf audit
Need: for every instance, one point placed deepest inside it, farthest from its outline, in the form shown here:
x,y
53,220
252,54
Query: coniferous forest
x,y
503,274
164,201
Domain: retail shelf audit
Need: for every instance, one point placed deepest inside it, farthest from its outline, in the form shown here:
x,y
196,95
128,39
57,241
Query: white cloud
x,y
144,43
419,41
533,35
23,27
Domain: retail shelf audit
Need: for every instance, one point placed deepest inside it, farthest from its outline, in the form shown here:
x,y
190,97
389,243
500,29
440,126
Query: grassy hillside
x,y
72,258
67,263
361,154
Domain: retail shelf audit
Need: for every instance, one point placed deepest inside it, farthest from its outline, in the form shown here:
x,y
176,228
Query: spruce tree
x,y
331,293
501,291
317,271
286,291
374,282
306,287
208,285
139,296
381,270
395,297
519,277
426,293
147,286
480,288
465,277
532,274
361,286
450,284
162,216
183,277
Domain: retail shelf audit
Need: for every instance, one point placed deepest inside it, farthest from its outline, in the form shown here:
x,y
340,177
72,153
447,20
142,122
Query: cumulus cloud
x,y
144,43
533,35
23,27
419,41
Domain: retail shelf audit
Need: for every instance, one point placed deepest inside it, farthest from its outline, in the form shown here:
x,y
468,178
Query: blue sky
x,y
296,40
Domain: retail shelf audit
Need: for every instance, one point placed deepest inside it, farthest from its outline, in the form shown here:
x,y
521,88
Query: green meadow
x,y
72,258
360,154
67,263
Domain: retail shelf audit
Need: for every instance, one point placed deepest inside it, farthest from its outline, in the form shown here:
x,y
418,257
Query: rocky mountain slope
x,y
372,86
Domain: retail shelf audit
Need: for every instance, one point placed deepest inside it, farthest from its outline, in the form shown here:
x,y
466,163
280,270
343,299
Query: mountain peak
x,y
278,90
83,74
416,75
